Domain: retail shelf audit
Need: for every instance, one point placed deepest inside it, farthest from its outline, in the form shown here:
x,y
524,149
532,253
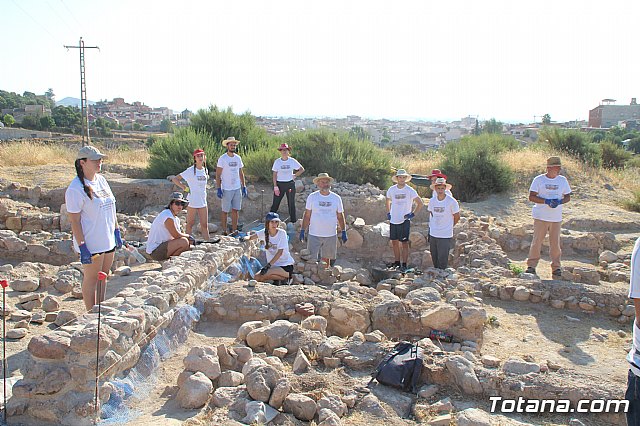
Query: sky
x,y
430,60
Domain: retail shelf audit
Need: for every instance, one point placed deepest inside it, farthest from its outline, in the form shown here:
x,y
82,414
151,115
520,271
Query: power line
x,y
64,21
72,15
33,19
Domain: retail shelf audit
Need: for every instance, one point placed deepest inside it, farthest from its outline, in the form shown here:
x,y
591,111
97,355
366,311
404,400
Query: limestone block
x,y
26,284
195,391
53,345
464,374
440,317
518,366
301,406
203,359
280,392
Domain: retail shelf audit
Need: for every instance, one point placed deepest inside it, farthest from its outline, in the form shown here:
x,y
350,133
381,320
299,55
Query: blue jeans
x,y
633,396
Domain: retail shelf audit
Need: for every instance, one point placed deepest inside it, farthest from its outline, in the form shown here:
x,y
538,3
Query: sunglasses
x,y
180,203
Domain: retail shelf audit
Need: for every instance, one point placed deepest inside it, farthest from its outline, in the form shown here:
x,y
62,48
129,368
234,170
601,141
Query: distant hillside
x,y
72,102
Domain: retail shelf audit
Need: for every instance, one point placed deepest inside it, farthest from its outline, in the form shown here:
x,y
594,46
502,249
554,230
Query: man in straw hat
x,y
400,200
230,183
323,218
435,174
548,191
445,213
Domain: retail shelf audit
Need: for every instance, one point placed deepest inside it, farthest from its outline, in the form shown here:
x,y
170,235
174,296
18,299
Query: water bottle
x,y
131,249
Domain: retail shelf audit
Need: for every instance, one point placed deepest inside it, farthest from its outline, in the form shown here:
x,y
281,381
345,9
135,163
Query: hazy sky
x,y
446,59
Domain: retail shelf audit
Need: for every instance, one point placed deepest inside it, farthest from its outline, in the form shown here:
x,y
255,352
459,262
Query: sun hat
x,y
401,172
553,162
323,176
284,146
90,153
177,196
198,151
436,173
440,181
230,139
272,216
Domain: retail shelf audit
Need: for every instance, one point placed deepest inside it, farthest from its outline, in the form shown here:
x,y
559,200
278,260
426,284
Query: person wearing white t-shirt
x,y
323,219
435,174
196,178
279,260
633,357
165,239
285,170
444,213
549,192
92,213
231,185
400,200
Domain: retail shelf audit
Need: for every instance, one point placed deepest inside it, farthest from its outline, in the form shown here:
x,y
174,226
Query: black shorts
x,y
287,268
104,252
400,232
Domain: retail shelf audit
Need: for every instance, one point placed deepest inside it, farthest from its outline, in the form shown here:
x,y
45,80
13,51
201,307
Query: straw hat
x,y
553,162
323,176
401,172
440,181
229,139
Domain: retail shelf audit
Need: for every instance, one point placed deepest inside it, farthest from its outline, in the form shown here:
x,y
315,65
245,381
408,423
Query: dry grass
x,y
129,157
34,154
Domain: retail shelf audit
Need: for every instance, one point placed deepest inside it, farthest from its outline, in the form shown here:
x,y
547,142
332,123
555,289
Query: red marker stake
x,y
102,276
4,285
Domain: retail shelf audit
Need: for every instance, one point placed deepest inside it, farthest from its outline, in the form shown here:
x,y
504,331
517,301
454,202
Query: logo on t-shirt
x,y
102,193
401,196
285,167
325,203
551,187
438,209
202,178
233,164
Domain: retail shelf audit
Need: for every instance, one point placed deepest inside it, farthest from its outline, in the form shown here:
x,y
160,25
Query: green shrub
x,y
634,145
613,157
634,162
258,163
572,142
633,204
516,269
173,154
474,166
343,156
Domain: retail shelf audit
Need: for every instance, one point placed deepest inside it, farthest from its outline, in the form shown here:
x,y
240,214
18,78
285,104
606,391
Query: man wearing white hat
x,y
323,216
230,183
400,200
445,213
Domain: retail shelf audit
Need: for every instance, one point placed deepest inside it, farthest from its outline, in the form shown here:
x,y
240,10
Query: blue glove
x,y
344,236
410,215
85,254
244,192
549,201
389,215
559,201
116,234
553,204
302,235
219,193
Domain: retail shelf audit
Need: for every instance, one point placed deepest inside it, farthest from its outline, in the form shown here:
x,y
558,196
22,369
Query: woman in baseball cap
x,y
165,239
196,176
92,212
285,170
279,265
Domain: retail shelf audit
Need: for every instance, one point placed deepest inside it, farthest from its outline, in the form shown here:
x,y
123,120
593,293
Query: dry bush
x,y
34,154
129,157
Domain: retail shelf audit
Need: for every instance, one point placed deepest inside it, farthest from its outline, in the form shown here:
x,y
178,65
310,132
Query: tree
x,y
166,126
634,144
50,95
67,117
8,120
137,126
359,133
47,122
546,119
476,129
29,122
492,126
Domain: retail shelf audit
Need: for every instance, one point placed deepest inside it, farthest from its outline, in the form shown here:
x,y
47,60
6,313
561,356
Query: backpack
x,y
400,368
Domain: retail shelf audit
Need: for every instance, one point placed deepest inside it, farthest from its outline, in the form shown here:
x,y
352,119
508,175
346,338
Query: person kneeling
x,y
279,261
165,239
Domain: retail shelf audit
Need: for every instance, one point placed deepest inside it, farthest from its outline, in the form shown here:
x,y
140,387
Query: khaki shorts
x,y
324,247
160,253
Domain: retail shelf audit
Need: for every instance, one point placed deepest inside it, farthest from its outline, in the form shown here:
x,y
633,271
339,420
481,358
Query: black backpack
x,y
400,368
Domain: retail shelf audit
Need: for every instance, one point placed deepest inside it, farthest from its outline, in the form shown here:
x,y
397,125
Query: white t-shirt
x,y
555,188
324,213
230,177
197,182
280,241
285,169
401,202
441,222
97,215
159,233
634,293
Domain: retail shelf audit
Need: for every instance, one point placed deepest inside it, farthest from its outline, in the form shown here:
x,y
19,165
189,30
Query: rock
x,y
327,417
474,417
243,353
443,420
315,322
246,328
53,345
301,406
608,256
424,294
355,240
376,336
123,271
22,324
260,381
224,396
65,317
428,391
490,361
464,375
473,317
280,353
16,333
84,340
417,240
230,379
25,284
280,392
50,303
203,359
440,318
331,362
521,293
301,364
195,391
518,366
333,403
370,404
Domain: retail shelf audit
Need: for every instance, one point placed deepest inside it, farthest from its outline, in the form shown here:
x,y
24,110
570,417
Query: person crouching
x,y
165,239
279,261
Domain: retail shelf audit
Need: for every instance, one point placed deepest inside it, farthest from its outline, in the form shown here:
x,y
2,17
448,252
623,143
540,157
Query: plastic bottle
x,y
131,249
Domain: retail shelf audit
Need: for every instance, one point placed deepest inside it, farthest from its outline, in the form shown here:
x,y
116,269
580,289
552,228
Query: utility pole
x,y
84,110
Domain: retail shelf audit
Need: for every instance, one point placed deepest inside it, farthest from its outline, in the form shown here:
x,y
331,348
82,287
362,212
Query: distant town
x,y
423,135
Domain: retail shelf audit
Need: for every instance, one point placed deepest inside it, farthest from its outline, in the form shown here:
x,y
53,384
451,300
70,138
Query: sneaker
x,y
531,270
557,273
